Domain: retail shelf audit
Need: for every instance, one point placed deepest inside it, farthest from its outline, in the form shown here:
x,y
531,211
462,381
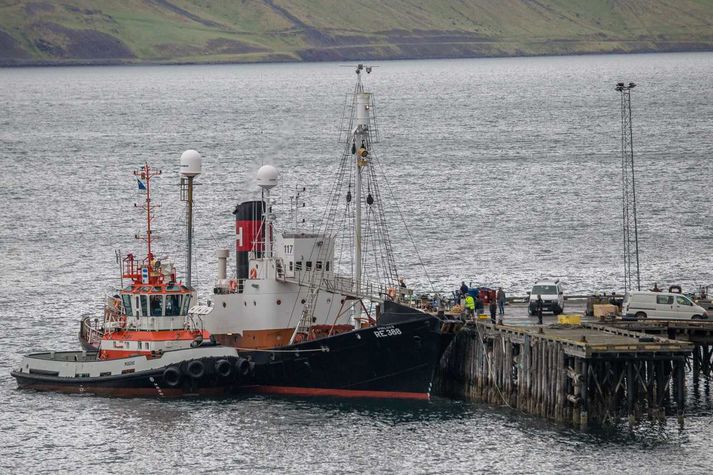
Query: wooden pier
x,y
697,332
577,375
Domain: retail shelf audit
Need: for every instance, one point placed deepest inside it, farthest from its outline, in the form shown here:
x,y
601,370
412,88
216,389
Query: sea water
x,y
499,172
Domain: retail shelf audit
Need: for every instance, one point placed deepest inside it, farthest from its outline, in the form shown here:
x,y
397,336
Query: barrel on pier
x,y
248,234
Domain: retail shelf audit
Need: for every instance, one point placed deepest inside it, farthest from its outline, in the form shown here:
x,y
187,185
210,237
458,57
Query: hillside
x,y
191,31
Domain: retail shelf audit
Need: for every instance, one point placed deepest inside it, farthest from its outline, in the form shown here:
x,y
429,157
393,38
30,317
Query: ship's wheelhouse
x,y
156,301
305,253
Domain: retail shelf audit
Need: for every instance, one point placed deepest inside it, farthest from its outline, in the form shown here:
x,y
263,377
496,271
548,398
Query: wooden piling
x,y
583,375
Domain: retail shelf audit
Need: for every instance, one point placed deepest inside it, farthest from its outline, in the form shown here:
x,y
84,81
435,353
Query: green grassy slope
x,y
132,31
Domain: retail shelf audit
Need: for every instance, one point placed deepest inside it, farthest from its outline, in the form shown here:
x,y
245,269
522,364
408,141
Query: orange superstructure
x,y
150,315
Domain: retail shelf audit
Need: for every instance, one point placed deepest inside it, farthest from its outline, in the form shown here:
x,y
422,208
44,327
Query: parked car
x,y
552,297
661,305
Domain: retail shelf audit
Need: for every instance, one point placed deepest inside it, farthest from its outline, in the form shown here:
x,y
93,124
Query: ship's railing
x,y
114,315
92,331
229,286
345,286
194,319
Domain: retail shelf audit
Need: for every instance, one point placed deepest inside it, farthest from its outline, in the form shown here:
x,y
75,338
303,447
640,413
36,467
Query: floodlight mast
x,y
630,223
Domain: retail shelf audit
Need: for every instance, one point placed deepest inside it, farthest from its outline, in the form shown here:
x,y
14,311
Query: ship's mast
x,y
267,177
144,175
360,143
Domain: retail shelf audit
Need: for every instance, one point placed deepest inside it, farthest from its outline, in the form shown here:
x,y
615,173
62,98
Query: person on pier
x,y
469,307
493,310
501,301
538,309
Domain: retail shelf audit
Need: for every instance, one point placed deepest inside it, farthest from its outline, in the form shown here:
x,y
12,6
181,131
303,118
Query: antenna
x,y
191,163
630,223
143,176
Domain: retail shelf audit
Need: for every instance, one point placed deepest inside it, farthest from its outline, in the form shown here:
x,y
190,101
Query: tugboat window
x,y
309,266
318,266
298,265
145,305
156,305
186,304
326,267
173,305
126,300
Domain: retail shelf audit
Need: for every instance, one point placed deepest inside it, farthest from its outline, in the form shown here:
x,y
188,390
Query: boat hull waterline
x,y
391,361
203,371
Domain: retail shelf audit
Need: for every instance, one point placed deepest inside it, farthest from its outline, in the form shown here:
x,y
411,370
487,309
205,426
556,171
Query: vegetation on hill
x,y
188,31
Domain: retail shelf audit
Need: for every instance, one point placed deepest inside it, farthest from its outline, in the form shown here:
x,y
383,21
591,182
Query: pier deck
x,y
697,332
594,341
577,375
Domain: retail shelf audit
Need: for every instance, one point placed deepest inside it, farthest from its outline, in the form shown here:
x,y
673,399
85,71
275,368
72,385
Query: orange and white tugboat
x,y
149,342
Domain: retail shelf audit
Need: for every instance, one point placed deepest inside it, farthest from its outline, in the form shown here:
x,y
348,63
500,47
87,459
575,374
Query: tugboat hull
x,y
203,371
395,359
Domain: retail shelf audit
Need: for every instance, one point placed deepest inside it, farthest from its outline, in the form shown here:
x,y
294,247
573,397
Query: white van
x,y
552,297
661,305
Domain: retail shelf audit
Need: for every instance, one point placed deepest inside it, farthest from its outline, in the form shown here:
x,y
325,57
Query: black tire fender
x,y
223,368
195,369
172,376
243,366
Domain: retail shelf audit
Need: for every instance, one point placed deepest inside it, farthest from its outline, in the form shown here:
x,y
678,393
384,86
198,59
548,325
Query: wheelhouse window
x,y
173,305
145,305
126,301
186,304
156,305
309,266
318,266
298,265
326,267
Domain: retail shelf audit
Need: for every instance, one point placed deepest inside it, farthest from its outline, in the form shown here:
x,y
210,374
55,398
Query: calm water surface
x,y
506,170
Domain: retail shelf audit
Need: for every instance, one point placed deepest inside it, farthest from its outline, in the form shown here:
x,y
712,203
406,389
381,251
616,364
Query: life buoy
x,y
172,376
122,321
253,273
391,292
195,369
233,285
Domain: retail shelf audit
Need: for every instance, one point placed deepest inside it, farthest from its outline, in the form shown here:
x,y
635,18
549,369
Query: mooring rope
x,y
485,353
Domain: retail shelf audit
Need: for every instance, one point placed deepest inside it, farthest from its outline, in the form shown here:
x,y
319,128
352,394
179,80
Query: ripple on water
x,y
500,180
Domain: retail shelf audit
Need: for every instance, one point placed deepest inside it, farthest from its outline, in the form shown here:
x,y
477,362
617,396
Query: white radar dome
x,y
191,162
267,177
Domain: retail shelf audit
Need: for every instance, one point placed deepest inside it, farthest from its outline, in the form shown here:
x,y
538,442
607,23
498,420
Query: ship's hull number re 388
x,y
387,332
